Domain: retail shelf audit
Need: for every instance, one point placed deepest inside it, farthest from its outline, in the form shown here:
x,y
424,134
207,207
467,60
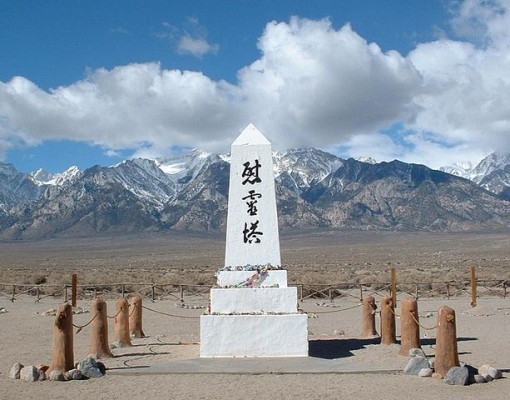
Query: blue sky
x,y
95,82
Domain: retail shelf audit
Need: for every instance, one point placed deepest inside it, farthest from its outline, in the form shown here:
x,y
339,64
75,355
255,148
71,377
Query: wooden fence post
x,y
122,323
410,328
447,355
135,316
74,285
99,333
369,308
473,286
63,352
394,286
388,333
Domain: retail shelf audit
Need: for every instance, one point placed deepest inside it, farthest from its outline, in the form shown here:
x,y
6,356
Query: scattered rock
x,y
90,368
415,352
30,373
57,375
101,367
425,372
416,364
15,371
489,372
42,367
495,373
457,376
484,369
73,375
479,379
432,362
42,376
2,310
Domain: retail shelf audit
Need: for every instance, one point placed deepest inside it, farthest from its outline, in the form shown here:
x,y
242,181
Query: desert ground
x,y
334,326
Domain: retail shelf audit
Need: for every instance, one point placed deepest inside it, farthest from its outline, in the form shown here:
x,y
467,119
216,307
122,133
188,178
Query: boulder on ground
x,y
457,376
14,373
30,373
90,368
415,365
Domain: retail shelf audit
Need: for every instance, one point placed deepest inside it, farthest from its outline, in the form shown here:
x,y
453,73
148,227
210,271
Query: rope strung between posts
x,y
84,326
418,323
393,312
169,315
335,311
118,312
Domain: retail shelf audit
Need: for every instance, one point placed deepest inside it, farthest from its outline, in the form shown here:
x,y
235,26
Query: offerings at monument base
x,y
253,313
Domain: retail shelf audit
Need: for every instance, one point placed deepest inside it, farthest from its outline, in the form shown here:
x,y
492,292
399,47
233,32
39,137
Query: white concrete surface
x,y
231,278
254,300
254,335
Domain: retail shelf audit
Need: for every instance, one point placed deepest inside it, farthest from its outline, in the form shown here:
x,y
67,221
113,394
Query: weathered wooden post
x,y
63,353
99,337
394,286
369,308
135,317
388,334
122,323
410,335
447,355
74,285
473,286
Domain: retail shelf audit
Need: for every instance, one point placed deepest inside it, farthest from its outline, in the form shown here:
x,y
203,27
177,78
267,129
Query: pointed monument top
x,y
250,136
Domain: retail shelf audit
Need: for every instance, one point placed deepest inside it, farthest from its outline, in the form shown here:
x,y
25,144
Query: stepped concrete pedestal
x,y
262,335
253,313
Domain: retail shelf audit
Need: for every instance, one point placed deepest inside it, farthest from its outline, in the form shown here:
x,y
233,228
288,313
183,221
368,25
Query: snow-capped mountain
x,y
315,189
305,167
16,187
462,169
44,178
492,173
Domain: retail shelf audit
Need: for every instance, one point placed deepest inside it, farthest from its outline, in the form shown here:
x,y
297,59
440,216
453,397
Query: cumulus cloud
x,y
313,85
466,93
190,39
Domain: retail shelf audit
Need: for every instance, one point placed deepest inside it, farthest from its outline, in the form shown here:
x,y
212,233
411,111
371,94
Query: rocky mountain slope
x,y
315,189
492,173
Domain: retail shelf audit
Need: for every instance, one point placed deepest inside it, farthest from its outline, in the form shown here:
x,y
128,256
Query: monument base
x,y
254,335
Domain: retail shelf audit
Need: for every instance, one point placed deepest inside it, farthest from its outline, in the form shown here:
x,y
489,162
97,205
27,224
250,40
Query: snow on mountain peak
x,y
42,177
366,159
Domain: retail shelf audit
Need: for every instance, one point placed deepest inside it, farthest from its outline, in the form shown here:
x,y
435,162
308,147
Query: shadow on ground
x,y
342,348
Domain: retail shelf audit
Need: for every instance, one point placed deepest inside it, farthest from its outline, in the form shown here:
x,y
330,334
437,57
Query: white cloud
x,y
313,85
197,47
466,93
190,39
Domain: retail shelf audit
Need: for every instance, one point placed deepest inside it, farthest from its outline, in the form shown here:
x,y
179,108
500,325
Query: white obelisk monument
x,y
253,313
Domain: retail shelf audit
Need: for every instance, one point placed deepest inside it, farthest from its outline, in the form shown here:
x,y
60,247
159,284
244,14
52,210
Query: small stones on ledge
x,y
87,368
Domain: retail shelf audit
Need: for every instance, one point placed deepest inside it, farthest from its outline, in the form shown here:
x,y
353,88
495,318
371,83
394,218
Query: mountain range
x,y
315,190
